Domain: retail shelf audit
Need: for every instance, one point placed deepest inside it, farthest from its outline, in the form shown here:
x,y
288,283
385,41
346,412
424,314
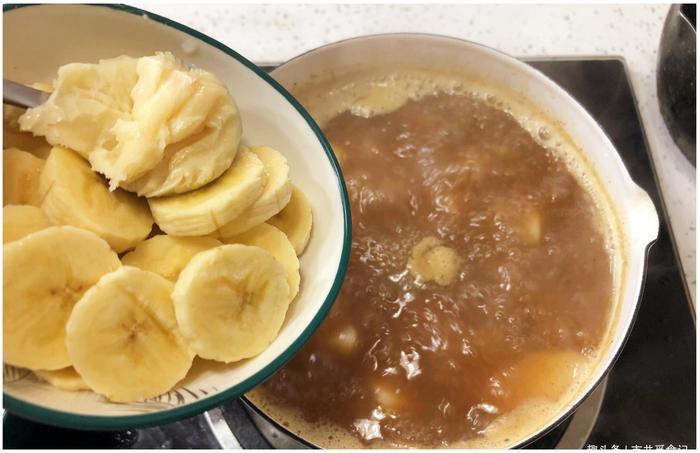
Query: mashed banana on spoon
x,y
150,125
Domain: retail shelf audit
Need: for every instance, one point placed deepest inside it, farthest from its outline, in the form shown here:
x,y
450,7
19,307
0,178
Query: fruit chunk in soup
x,y
414,361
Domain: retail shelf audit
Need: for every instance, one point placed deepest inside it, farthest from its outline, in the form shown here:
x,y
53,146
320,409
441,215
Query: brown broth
x,y
412,362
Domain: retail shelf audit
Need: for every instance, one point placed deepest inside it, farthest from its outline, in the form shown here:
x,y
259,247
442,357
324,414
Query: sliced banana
x,y
345,340
274,241
75,195
44,276
12,137
20,177
204,210
540,374
295,220
162,88
20,220
123,339
194,161
380,100
230,302
529,226
65,379
521,219
167,255
389,395
432,261
275,196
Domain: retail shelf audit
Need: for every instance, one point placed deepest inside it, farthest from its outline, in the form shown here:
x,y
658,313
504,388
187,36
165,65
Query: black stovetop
x,y
650,397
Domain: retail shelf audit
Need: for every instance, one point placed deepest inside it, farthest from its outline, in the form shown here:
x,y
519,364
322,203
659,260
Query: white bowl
x,y
39,39
629,209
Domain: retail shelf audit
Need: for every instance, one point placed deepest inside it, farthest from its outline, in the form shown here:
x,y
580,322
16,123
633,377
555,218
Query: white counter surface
x,y
275,33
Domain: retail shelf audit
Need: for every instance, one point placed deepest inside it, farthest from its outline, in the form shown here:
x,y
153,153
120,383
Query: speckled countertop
x,y
275,33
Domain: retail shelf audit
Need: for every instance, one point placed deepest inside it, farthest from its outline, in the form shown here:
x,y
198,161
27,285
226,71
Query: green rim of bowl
x,y
98,422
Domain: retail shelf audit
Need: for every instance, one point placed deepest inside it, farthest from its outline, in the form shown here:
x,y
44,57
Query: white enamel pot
x,y
630,210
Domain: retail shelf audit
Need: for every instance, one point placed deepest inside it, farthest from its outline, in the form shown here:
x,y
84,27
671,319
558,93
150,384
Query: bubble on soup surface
x,y
544,133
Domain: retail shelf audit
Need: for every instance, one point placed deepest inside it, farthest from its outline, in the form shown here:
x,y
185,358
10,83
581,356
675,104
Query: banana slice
x,y
431,260
380,100
44,276
345,340
167,255
65,379
273,199
194,161
12,137
230,302
295,220
123,339
170,104
539,374
20,220
75,195
530,228
20,177
202,211
149,123
274,241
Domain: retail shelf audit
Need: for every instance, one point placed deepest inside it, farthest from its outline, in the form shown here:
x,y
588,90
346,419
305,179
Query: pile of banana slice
x,y
98,298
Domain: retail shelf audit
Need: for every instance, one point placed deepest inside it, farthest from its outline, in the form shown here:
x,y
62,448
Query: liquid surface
x,y
415,353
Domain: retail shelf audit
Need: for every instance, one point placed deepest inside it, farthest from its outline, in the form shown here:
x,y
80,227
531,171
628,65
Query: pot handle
x,y
643,218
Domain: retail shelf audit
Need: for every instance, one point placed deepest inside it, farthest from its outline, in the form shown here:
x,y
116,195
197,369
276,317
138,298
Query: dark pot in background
x,y
675,80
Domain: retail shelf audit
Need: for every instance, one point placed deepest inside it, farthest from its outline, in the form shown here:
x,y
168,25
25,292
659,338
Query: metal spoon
x,y
14,93
19,95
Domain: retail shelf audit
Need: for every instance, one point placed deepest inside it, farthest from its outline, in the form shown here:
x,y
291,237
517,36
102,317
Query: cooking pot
x,y
628,209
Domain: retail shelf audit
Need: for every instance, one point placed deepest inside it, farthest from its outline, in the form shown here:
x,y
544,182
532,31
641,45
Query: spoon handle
x,y
14,93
